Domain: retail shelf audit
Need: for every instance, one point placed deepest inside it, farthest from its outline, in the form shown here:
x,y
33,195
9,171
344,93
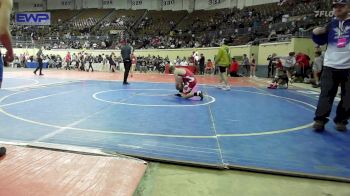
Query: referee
x,y
5,39
39,57
126,55
336,70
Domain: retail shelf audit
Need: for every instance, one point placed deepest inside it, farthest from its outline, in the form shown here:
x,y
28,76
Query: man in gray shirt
x,y
126,55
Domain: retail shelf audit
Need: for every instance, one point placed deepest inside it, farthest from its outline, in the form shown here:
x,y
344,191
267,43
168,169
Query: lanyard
x,y
341,29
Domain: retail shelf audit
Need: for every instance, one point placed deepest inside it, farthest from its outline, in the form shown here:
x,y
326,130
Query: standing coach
x,y
336,69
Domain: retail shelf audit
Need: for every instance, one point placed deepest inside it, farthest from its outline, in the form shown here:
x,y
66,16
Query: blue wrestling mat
x,y
246,128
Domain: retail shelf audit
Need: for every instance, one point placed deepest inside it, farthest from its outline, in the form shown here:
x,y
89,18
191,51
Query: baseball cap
x,y
344,2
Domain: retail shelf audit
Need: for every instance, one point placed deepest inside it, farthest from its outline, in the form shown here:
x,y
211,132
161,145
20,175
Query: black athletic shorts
x,y
222,69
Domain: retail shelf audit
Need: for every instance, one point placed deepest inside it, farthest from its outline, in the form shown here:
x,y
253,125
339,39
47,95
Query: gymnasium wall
x,y
281,49
304,45
261,52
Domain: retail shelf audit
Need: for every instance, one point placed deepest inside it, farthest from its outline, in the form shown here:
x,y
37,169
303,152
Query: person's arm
x,y
320,35
5,36
218,56
253,62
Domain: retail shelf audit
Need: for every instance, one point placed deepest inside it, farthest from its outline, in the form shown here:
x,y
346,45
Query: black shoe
x,y
2,151
341,127
126,83
41,74
316,86
34,72
318,126
201,95
178,95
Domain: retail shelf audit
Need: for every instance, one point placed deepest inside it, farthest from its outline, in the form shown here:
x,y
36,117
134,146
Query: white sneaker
x,y
221,85
226,88
250,76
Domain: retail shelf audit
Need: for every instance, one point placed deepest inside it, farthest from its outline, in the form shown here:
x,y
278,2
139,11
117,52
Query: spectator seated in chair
x,y
209,69
234,68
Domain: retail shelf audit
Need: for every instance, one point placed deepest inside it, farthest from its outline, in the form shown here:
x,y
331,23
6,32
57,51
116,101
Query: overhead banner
x,y
30,5
116,4
146,4
62,4
212,4
172,5
33,18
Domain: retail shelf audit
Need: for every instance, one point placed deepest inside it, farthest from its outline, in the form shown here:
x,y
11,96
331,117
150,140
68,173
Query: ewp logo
x,y
42,18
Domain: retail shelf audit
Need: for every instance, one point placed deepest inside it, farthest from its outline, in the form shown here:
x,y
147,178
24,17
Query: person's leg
x,y
343,109
1,71
223,77
127,66
315,74
289,73
191,93
37,68
317,79
92,68
41,68
329,88
132,70
248,70
2,151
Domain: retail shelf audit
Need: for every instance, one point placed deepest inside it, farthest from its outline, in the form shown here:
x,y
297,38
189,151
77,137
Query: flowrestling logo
x,y
319,14
33,18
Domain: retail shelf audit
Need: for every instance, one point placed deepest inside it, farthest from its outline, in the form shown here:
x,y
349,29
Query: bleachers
x,y
120,19
62,15
200,20
160,22
89,18
160,29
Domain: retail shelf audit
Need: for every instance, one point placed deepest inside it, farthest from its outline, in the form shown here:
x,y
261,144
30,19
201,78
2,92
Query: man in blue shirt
x,y
336,71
